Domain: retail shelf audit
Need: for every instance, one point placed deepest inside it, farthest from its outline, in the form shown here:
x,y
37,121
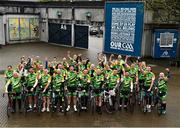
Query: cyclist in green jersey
x,y
65,63
112,84
15,82
8,74
37,62
107,71
45,80
133,73
72,80
58,86
54,62
81,66
92,70
141,80
84,82
126,89
97,82
100,66
141,75
31,83
148,85
122,62
162,90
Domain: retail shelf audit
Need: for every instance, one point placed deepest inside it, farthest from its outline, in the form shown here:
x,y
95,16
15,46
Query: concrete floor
x,y
10,55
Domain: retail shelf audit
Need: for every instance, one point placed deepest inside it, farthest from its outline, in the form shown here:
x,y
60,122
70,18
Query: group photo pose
x,y
74,83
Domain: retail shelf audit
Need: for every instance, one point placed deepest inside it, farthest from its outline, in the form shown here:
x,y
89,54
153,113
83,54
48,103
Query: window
x,y
166,39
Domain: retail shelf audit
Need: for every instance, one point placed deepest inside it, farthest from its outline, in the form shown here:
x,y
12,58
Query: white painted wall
x,y
2,34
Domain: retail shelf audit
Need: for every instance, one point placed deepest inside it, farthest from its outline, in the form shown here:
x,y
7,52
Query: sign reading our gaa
x,y
124,27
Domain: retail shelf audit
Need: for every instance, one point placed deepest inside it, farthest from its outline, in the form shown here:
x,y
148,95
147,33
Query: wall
x,y
66,13
97,14
2,35
147,41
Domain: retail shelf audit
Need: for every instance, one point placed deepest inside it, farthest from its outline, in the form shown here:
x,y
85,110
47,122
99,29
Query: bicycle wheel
x,y
25,105
143,105
131,104
9,108
39,105
159,107
64,104
52,107
108,107
79,106
92,105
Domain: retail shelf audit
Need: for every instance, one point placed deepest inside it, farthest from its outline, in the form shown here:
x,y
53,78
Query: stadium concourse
x,y
10,54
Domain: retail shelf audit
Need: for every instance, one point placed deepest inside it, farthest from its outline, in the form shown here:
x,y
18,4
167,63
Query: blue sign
x,y
165,43
124,27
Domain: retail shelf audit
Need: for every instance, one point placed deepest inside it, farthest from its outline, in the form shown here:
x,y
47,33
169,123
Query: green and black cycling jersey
x,y
9,74
141,75
84,80
58,81
44,80
16,84
148,78
112,81
97,81
72,79
126,83
31,79
162,85
133,72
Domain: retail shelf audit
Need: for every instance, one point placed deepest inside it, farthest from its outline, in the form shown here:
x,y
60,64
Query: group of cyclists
x,y
73,73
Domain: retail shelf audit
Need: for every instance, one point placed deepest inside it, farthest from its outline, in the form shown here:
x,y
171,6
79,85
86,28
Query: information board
x,y
124,27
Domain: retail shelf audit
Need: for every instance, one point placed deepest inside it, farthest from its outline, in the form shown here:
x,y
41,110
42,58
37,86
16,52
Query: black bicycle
x,y
39,100
131,102
92,101
10,107
81,99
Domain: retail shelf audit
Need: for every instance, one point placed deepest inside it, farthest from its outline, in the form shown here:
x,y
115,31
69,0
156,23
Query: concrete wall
x,y
2,33
97,14
66,13
29,10
147,38
147,43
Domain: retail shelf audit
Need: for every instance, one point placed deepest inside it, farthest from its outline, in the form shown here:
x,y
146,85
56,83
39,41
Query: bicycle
x,y
39,100
159,102
25,100
108,101
92,100
145,100
60,105
10,104
80,94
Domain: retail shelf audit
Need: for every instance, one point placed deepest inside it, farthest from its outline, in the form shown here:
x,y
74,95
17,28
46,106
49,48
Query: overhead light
x,y
88,14
59,14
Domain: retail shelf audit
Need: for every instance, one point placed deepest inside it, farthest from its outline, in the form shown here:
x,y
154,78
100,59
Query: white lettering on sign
x,y
122,46
123,29
63,27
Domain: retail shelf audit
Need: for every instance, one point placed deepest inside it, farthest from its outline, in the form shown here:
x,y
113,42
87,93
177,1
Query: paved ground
x,y
10,55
